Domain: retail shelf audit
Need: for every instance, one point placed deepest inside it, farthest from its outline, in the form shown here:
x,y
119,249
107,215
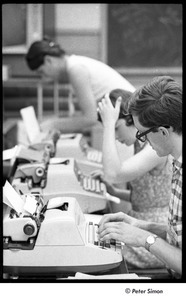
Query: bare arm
x,y
122,194
116,171
134,233
157,228
138,165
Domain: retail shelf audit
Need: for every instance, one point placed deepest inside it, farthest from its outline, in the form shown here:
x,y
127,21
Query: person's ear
x,y
164,131
47,59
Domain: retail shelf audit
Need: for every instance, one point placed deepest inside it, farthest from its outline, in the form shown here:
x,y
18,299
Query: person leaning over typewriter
x,y
156,109
90,80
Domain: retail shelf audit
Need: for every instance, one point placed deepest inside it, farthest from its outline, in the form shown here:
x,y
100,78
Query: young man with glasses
x,y
142,136
156,109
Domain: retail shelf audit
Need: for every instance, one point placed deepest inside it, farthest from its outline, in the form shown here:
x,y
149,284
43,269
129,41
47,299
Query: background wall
x,y
78,28
122,35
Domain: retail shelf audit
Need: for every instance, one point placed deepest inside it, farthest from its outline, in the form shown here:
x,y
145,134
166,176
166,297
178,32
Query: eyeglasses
x,y
143,135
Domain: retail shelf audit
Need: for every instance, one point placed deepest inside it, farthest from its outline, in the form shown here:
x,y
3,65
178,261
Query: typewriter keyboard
x,y
93,239
95,156
93,185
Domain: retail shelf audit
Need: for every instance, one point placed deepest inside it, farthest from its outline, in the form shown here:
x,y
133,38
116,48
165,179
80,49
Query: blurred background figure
x,y
107,33
90,80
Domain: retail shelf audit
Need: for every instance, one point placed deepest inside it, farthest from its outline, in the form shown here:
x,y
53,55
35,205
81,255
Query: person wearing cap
x,y
156,109
90,79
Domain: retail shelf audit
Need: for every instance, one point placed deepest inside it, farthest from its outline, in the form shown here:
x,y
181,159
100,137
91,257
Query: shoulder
x,y
75,64
152,157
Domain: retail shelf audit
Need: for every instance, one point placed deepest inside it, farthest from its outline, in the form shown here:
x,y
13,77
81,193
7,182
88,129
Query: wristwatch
x,y
150,241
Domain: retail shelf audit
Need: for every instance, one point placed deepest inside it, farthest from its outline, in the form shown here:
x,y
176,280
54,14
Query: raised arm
x,y
115,170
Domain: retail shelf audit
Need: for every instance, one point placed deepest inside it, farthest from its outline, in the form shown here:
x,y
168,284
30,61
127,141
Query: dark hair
x,y
38,50
125,95
157,103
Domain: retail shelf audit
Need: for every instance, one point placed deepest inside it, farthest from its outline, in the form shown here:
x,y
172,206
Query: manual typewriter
x,y
60,145
46,141
38,140
55,238
30,165
22,160
66,179
75,145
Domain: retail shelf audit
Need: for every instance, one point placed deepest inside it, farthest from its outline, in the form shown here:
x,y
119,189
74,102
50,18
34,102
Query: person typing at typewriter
x,y
90,80
156,109
147,176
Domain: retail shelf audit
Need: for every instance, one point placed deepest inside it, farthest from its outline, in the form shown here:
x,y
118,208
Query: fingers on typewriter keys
x,y
118,245
113,243
102,244
93,238
107,243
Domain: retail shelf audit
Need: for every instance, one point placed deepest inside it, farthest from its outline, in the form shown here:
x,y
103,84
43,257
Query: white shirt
x,y
103,78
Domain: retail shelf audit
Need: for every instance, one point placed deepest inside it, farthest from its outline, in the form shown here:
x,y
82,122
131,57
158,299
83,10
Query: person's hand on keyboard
x,y
97,174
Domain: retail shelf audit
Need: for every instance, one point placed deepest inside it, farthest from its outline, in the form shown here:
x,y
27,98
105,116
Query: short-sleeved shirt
x,y
150,197
174,234
103,78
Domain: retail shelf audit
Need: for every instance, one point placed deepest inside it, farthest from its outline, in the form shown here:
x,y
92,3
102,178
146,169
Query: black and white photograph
x,y
92,150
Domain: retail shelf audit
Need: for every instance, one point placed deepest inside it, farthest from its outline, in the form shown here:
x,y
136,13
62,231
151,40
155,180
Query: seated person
x,y
156,109
148,175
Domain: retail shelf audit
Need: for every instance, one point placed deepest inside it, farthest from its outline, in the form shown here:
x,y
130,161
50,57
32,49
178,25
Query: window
x,y
21,25
145,35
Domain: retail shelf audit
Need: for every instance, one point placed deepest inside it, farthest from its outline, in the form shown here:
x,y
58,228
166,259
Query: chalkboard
x,y
145,35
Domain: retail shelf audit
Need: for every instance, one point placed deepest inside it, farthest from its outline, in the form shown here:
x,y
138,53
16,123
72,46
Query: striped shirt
x,y
174,234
